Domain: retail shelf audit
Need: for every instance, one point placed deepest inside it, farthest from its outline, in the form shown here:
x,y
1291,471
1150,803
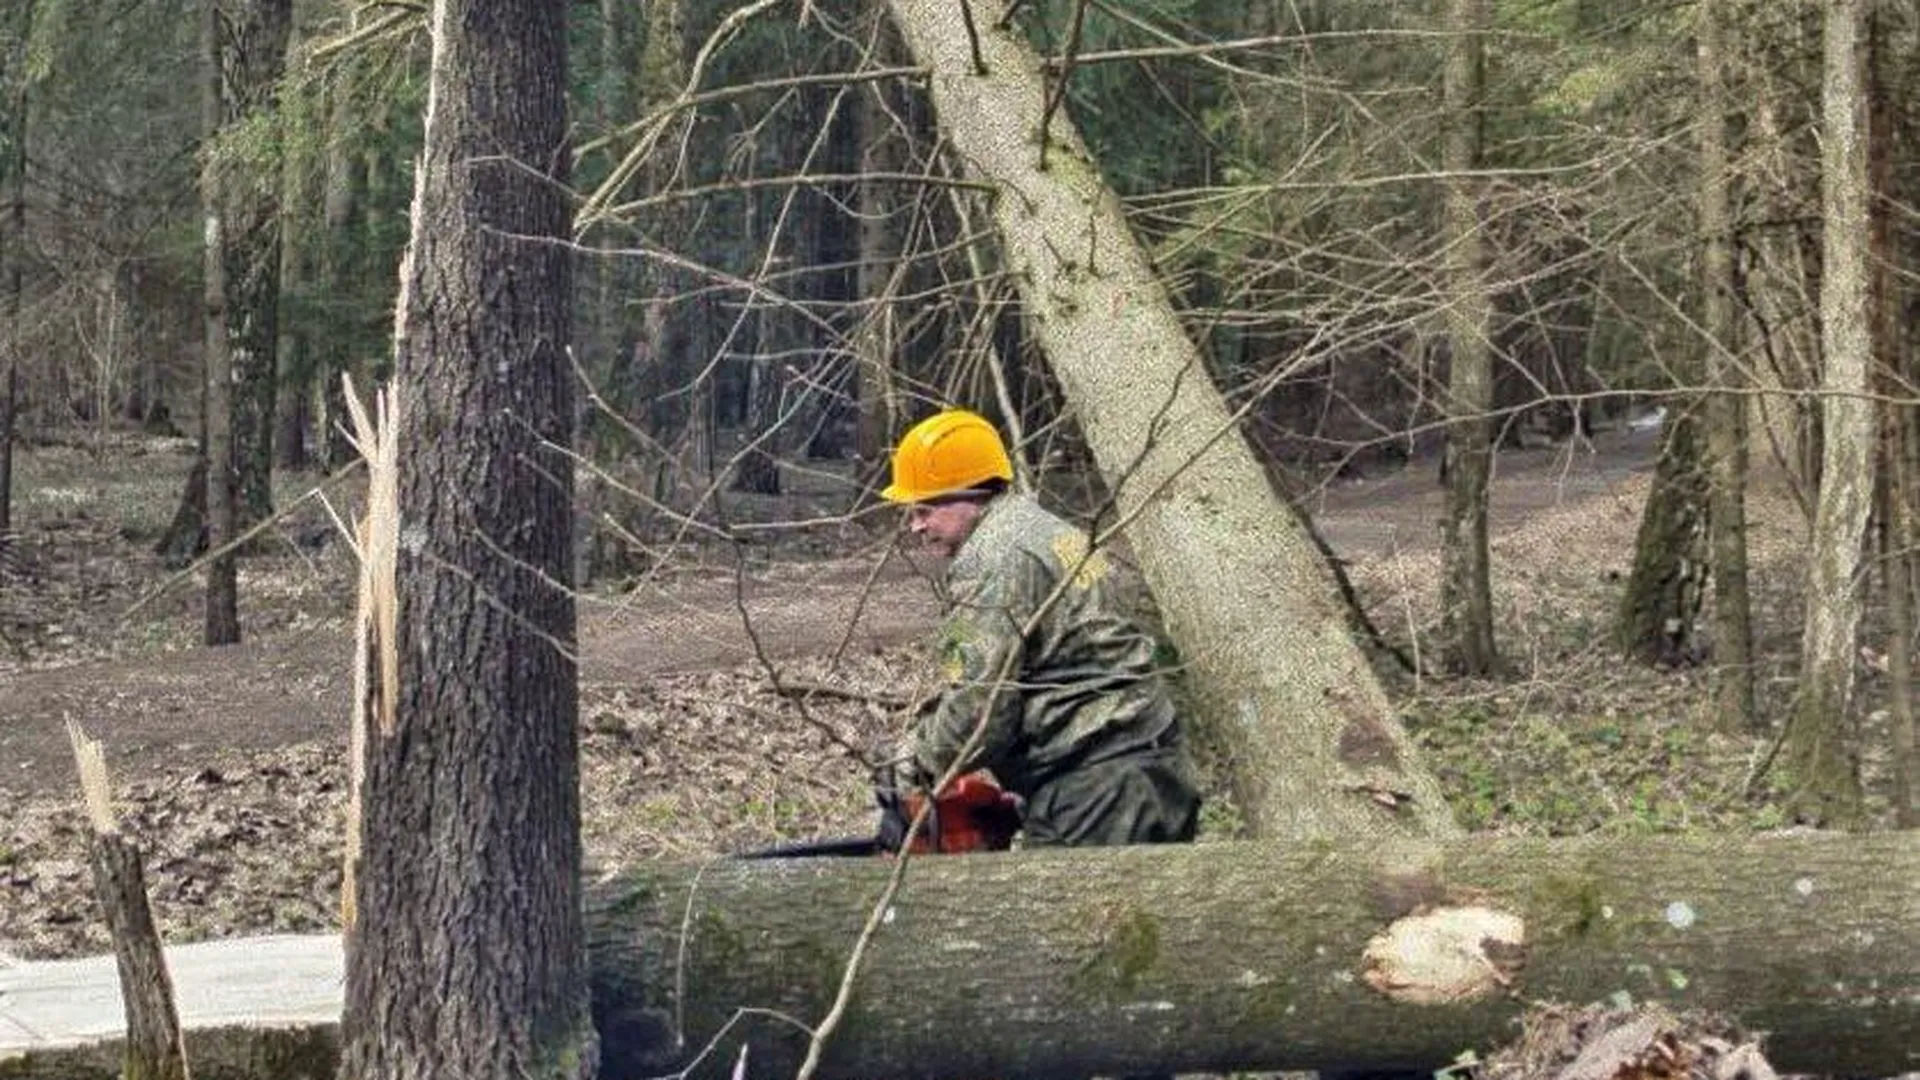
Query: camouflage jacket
x,y
1080,687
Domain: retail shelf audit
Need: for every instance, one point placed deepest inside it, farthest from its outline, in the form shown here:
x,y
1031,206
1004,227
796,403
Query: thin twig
x,y
802,689
973,37
1059,92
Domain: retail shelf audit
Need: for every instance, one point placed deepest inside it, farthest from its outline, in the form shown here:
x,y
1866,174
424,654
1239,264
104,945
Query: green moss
x,y
1128,950
1572,904
631,899
722,945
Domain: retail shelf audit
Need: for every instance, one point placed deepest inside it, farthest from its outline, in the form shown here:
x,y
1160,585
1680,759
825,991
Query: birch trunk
x,y
1250,603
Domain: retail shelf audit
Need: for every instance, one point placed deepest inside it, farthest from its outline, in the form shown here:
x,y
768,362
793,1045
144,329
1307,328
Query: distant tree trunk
x,y
1658,618
343,245
297,357
1892,372
220,504
1828,787
881,269
1250,603
756,468
1466,589
254,48
1904,625
13,248
467,956
1726,408
833,290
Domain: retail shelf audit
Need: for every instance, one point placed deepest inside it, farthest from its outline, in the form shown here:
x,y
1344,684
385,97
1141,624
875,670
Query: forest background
x,y
1659,255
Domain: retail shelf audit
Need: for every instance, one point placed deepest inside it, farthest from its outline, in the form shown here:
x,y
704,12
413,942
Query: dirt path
x,y
193,708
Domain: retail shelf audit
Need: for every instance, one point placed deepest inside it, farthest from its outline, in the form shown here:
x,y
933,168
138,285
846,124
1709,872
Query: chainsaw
x,y
972,814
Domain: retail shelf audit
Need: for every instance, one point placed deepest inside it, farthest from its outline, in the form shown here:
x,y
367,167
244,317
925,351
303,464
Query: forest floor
x,y
228,763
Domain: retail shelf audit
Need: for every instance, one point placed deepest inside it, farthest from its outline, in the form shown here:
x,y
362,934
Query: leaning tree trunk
x,y
466,956
1248,600
1220,957
1466,586
1827,785
1726,408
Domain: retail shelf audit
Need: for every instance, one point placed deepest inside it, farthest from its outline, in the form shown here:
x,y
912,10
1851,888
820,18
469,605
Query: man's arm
x,y
982,652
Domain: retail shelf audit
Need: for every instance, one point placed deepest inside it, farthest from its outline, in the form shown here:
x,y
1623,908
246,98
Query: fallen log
x,y
1219,957
1203,958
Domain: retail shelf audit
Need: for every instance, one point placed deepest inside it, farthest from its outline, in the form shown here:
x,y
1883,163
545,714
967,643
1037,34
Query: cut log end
x,y
1447,956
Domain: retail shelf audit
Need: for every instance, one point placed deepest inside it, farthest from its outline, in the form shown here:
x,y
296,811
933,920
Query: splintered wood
x,y
154,1050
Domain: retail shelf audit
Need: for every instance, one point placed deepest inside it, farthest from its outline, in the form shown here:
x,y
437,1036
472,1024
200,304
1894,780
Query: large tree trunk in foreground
x,y
1223,957
467,955
1315,744
1242,956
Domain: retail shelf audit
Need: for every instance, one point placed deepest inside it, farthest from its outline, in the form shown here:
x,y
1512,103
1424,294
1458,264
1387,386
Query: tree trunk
x,y
1659,610
1250,603
1894,489
467,954
343,246
1816,742
1229,956
220,504
1903,626
1223,957
881,270
1726,408
254,44
1466,588
13,248
296,357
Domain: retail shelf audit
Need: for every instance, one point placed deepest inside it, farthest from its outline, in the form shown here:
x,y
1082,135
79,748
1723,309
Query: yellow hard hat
x,y
945,454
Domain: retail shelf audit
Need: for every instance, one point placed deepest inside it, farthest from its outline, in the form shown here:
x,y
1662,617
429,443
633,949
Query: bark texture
x,y
1220,957
220,511
467,957
13,250
252,56
153,1049
1252,606
1466,582
1726,408
1659,611
1817,731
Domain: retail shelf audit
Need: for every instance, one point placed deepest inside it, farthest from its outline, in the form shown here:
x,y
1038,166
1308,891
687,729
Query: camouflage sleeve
x,y
981,647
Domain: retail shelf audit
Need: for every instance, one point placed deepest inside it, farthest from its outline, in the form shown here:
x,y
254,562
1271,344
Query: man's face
x,y
944,526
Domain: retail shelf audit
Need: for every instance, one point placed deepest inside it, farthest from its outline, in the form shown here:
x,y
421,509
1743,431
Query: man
x,y
1078,722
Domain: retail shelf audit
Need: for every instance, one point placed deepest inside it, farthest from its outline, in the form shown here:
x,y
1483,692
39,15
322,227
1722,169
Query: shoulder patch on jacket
x,y
1076,558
